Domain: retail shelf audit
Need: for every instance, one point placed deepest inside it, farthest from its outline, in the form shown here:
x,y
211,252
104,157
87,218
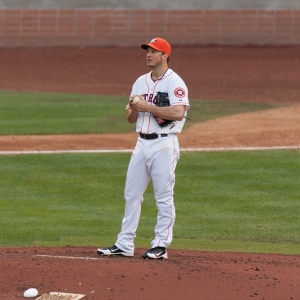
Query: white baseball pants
x,y
151,159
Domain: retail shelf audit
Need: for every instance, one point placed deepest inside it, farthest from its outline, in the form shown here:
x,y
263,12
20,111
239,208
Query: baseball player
x,y
156,152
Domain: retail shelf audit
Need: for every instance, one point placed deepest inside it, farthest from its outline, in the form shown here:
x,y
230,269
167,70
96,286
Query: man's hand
x,y
132,113
140,106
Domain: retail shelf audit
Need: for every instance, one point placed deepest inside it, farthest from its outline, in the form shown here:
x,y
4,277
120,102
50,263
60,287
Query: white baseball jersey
x,y
170,83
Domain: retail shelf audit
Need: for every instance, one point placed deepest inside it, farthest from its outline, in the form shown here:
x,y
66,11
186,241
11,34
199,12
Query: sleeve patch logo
x,y
179,92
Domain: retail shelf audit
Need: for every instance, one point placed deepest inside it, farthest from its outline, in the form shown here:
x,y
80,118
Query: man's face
x,y
154,57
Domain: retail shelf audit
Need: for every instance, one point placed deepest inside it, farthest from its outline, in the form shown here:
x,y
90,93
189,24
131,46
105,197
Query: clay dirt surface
x,y
256,74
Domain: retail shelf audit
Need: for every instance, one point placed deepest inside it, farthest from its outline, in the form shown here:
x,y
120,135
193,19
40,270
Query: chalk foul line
x,y
67,257
221,149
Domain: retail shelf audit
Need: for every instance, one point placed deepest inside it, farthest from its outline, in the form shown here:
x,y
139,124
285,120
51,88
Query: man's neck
x,y
157,74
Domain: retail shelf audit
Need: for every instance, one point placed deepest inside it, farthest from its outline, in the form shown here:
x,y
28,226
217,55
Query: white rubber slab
x,y
60,296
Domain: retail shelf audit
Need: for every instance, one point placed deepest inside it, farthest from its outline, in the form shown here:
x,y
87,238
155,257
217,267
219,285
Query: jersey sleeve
x,y
178,92
133,92
135,88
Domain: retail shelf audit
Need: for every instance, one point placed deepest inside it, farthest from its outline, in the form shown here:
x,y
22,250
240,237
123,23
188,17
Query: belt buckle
x,y
151,136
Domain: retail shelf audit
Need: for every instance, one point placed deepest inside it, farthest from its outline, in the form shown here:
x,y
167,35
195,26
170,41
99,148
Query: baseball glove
x,y
162,100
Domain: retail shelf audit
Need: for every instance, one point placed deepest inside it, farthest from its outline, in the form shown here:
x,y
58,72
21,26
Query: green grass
x,y
225,201
23,113
50,113
229,201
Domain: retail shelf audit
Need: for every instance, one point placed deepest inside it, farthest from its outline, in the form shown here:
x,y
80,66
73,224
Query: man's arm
x,y
131,113
175,112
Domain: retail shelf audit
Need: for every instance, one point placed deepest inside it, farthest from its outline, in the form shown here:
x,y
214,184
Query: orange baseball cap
x,y
158,44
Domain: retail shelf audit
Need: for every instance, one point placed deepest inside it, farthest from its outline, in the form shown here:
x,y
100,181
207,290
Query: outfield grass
x,y
225,201
23,113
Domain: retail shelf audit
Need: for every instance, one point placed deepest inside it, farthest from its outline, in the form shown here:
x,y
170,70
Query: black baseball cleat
x,y
114,250
156,253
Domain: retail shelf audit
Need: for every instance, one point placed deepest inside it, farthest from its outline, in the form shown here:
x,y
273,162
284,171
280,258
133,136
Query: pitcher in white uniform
x,y
156,152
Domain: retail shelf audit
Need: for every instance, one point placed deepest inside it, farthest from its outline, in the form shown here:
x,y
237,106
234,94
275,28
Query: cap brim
x,y
145,47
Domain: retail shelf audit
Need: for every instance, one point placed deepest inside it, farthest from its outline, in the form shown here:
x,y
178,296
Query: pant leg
x,y
136,183
163,178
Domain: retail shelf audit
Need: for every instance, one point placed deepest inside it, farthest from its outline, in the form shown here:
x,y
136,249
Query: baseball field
x,y
65,146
